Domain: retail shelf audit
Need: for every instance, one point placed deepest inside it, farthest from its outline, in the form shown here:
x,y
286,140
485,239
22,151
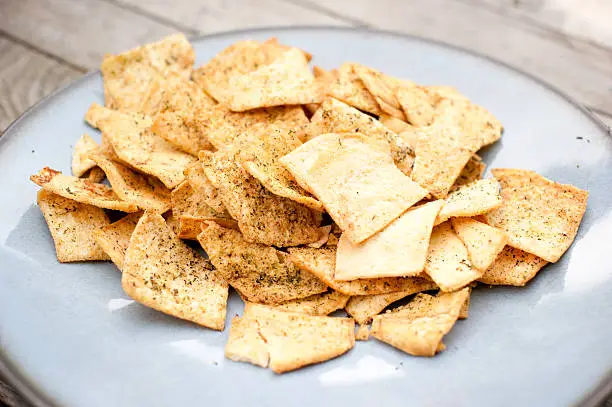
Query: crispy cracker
x,y
382,87
470,200
81,190
470,118
472,172
134,143
348,88
513,267
174,93
179,129
540,217
163,273
285,340
363,333
71,225
418,328
483,242
262,216
355,179
143,191
417,104
196,177
80,161
448,262
114,239
317,304
322,263
399,250
261,273
335,116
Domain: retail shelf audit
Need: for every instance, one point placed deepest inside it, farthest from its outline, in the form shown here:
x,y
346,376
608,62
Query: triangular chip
x,y
355,179
134,143
322,263
513,267
174,93
114,239
81,190
80,161
127,76
399,250
417,104
448,262
540,217
261,273
287,341
382,87
96,113
470,200
196,177
483,242
363,333
259,152
318,304
262,216
178,128
348,88
162,272
517,177
71,225
143,191
285,81
470,118
472,172
418,327
337,117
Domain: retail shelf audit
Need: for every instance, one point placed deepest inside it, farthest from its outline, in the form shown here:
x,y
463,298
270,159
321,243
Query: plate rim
x,y
33,394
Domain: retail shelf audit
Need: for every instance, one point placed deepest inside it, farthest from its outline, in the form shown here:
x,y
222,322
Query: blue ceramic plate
x,y
71,337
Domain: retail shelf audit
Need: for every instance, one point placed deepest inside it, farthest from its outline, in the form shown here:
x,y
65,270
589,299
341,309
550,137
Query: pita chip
x,y
174,93
179,129
473,199
470,118
95,113
80,161
71,224
114,239
417,104
95,175
394,124
350,89
472,172
382,87
325,232
363,333
513,267
317,304
483,242
465,308
196,177
162,272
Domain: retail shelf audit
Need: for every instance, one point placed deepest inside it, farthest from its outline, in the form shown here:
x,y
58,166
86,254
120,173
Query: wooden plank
x,y
25,77
79,31
578,68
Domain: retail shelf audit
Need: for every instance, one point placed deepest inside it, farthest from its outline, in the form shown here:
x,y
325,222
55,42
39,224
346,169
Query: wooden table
x,y
45,44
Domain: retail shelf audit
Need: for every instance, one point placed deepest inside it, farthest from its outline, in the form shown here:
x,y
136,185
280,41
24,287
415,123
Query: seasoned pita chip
x,y
322,263
355,179
287,341
196,177
399,250
418,327
71,225
470,200
178,129
80,161
174,93
107,149
445,92
286,81
325,232
114,239
348,88
95,113
382,87
448,262
483,242
261,273
145,192
262,216
394,124
472,172
364,307
81,190
470,118
95,175
134,143
417,104
337,117
363,333
127,76
162,272
513,267
323,81
517,177
540,217
318,304
259,152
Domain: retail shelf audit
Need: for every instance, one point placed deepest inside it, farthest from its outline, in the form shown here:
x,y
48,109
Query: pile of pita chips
x,y
312,191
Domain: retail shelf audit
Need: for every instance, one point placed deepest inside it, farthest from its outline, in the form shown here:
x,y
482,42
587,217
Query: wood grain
x,y
26,77
581,69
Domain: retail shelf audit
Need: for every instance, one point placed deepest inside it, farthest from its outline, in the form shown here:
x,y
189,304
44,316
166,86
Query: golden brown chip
x,y
174,93
95,113
540,216
470,200
80,161
418,327
71,225
261,273
472,172
448,262
163,273
285,340
107,149
180,129
394,124
262,216
196,177
134,143
323,81
513,267
114,239
127,76
95,175
483,242
382,87
81,190
348,88
317,304
517,177
145,192
399,250
355,179
363,333
417,104
337,117
470,118
322,263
